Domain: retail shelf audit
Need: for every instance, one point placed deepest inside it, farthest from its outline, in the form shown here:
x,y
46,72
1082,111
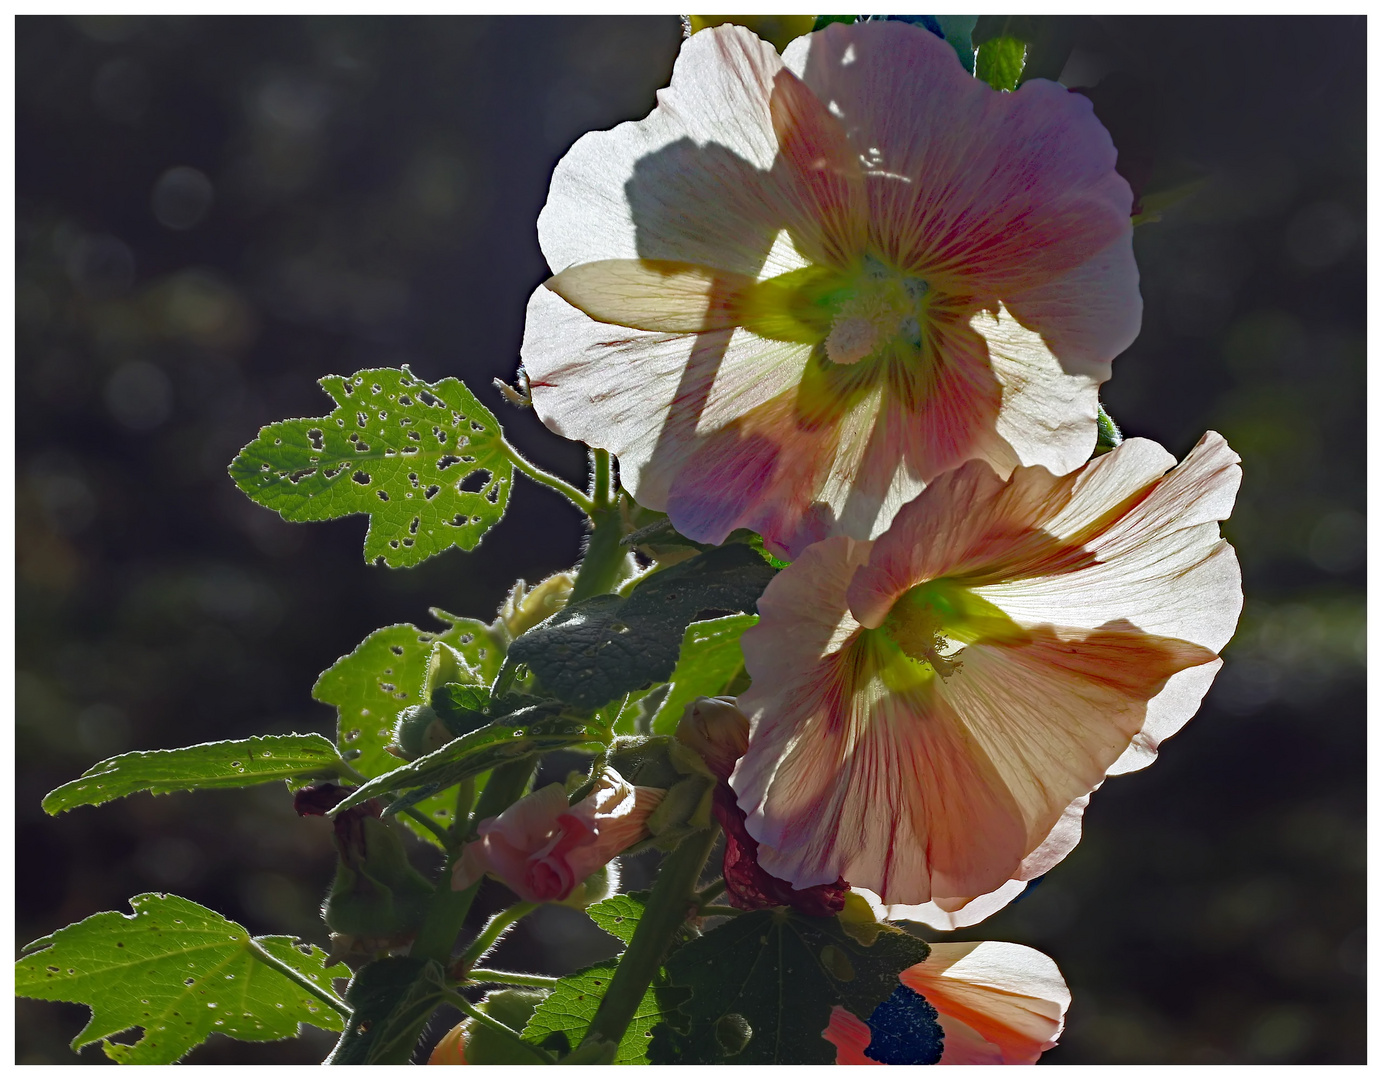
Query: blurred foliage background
x,y
212,213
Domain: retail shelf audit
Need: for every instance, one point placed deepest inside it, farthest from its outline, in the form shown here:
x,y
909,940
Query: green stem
x,y
502,1030
511,978
604,556
447,910
465,799
714,889
556,483
430,825
667,908
323,995
709,911
486,939
602,471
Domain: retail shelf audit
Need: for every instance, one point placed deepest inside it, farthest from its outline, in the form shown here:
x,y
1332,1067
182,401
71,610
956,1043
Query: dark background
x,y
212,213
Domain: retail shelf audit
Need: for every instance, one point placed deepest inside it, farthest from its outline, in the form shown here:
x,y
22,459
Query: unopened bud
x,y
469,1043
525,607
717,730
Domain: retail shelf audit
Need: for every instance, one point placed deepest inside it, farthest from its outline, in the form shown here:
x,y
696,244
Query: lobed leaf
x,y
384,674
596,650
762,986
425,461
232,764
179,971
710,658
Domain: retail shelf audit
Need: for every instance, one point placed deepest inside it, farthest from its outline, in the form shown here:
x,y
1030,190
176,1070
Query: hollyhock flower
x,y
929,710
543,849
806,285
997,1004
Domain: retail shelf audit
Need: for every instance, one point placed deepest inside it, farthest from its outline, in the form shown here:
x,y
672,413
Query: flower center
x,y
885,307
934,621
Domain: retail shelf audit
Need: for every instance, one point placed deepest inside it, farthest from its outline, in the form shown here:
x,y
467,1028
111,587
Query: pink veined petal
x,y
823,178
1087,316
998,191
952,913
1053,713
1010,995
850,1036
690,182
1159,564
648,397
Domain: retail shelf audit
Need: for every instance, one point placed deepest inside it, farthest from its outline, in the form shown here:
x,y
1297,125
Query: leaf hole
x,y
361,478
316,439
446,461
383,495
476,481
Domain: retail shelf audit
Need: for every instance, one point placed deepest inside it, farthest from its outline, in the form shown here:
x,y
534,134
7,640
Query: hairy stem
x,y
604,556
672,898
511,978
486,939
556,483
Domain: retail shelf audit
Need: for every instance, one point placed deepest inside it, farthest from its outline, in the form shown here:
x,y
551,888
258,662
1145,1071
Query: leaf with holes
x,y
561,1020
384,674
535,729
599,649
426,461
763,984
181,972
241,763
710,658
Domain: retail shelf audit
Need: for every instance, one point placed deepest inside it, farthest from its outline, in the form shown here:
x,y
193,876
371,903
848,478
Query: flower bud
x,y
469,1043
717,730
543,848
525,608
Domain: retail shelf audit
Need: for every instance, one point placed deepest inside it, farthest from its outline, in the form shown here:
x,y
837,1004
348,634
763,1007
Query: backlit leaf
x,y
179,971
424,460
384,674
710,658
234,764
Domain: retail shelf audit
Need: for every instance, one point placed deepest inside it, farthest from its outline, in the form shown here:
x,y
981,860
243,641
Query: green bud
x,y
512,1008
376,892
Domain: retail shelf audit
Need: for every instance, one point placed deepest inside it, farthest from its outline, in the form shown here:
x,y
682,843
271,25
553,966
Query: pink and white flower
x,y
542,849
931,710
806,285
998,1004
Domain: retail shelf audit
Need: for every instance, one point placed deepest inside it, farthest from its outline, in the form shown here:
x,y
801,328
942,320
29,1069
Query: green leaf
x,y
999,62
535,729
384,674
599,649
710,658
763,984
1109,434
619,914
822,21
390,1002
179,971
241,763
426,461
561,1020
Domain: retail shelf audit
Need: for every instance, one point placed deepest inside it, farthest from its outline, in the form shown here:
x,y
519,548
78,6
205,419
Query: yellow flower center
x,y
884,307
929,626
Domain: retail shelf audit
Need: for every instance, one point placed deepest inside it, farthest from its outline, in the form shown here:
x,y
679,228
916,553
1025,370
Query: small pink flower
x,y
998,1004
931,710
806,285
543,849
